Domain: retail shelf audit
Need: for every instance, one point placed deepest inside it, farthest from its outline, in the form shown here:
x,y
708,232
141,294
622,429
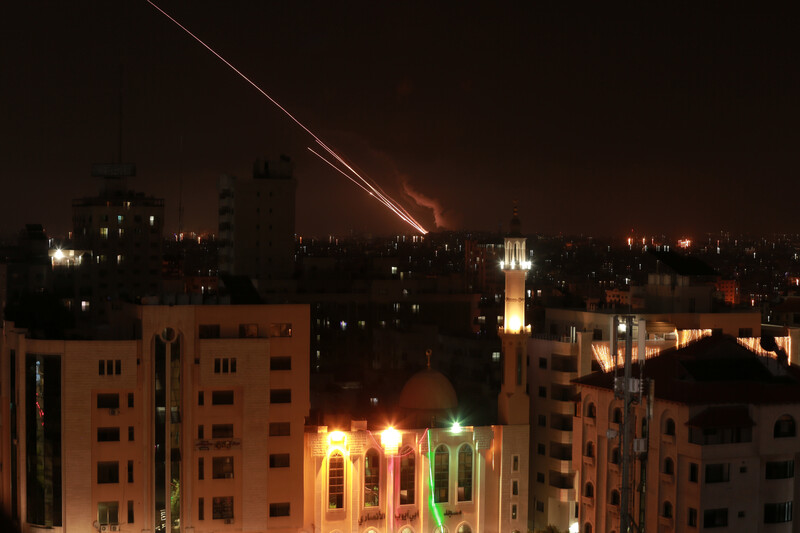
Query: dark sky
x,y
661,118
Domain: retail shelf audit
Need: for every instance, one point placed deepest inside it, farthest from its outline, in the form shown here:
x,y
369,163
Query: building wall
x,y
743,495
208,335
499,467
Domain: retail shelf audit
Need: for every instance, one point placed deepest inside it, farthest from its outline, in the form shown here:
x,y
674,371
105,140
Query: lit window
x,y
120,219
372,469
222,467
465,474
406,476
104,233
441,474
152,220
336,480
121,232
107,513
222,508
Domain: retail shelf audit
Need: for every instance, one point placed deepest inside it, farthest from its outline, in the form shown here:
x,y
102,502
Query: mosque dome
x,y
428,390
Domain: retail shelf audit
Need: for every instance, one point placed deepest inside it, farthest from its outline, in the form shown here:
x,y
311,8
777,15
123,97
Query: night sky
x,y
677,120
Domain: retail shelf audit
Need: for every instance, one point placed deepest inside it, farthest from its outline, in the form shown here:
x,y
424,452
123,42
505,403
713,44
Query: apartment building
x,y
191,421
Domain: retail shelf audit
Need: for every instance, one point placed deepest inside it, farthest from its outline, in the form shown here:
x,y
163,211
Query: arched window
x,y
406,475
587,528
591,410
615,456
464,528
784,427
669,466
666,510
372,478
669,427
336,480
441,474
590,449
465,474
616,417
406,529
615,497
588,490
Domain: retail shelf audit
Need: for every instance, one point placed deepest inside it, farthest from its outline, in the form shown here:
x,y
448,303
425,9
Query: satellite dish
x,y
768,343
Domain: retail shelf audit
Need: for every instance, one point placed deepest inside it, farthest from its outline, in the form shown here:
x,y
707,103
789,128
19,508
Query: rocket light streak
x,y
372,191
365,184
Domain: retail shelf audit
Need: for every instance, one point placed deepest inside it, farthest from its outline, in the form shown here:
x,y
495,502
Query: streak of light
x,y
754,345
374,193
387,200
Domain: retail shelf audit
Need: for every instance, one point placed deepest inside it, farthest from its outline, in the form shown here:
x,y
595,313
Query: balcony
x,y
217,444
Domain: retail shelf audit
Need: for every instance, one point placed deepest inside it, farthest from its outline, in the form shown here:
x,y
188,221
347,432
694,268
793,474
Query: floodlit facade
x,y
455,479
714,444
191,421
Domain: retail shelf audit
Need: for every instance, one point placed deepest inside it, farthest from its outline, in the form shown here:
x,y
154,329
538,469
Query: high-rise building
x,y
190,419
257,221
121,234
713,444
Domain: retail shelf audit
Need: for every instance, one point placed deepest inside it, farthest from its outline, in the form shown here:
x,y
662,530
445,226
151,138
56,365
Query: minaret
x,y
513,404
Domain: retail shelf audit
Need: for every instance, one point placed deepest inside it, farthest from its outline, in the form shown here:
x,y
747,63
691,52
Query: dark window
x,y
616,416
248,330
539,506
745,332
280,363
130,471
588,490
280,396
101,368
130,512
542,392
208,331
715,518
780,469
718,473
130,433
669,466
541,449
692,517
222,431
614,497
222,467
118,367
107,434
539,477
201,468
200,509
776,513
666,510
693,472
130,400
279,509
589,449
279,460
222,508
669,427
515,488
542,420
108,472
784,427
279,429
200,431
222,397
591,411
543,362
597,334
201,400
108,401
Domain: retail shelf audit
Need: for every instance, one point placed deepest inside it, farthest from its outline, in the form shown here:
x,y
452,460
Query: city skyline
x,y
652,120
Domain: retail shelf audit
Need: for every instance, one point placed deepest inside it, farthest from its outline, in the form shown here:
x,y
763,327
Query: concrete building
x,y
256,223
714,429
121,232
191,419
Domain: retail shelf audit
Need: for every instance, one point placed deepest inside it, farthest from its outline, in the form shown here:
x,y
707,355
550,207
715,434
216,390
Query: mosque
x,y
428,473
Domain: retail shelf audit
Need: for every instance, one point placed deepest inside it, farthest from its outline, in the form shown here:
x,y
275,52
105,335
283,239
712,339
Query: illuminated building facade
x,y
455,479
122,233
715,442
190,419
256,222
